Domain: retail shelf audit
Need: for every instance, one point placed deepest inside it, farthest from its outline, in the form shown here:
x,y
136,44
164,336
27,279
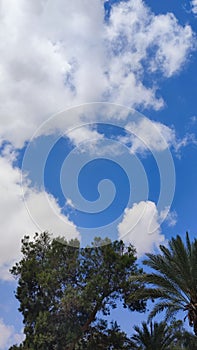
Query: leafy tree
x,y
62,288
173,280
102,338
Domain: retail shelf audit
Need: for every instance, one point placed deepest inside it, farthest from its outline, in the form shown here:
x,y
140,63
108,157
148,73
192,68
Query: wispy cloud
x,y
146,135
194,6
170,217
193,119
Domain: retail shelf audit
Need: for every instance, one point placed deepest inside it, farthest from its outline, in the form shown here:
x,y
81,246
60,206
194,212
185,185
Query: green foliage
x,y
102,338
61,289
156,336
173,280
161,336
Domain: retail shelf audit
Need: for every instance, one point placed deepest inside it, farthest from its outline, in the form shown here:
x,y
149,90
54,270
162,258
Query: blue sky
x,y
98,118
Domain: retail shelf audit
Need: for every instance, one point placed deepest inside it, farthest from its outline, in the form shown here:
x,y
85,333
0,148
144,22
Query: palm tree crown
x,y
173,280
158,336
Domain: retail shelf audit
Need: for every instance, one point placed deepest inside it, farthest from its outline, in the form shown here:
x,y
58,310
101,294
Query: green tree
x,y
156,336
62,288
101,338
184,340
173,280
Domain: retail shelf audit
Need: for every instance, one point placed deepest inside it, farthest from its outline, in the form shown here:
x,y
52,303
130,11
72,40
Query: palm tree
x,y
173,280
185,341
158,336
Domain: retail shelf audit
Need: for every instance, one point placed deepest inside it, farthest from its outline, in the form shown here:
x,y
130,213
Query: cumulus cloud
x,y
59,54
55,55
139,41
18,217
141,227
8,336
50,54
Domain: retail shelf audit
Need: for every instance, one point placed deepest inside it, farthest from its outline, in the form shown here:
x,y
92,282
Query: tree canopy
x,y
62,288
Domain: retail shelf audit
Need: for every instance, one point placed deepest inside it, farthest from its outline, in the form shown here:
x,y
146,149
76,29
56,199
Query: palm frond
x,y
147,293
156,336
188,245
161,306
173,280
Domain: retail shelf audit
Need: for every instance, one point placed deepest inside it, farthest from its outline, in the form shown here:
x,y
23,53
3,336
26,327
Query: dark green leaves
x,y
62,288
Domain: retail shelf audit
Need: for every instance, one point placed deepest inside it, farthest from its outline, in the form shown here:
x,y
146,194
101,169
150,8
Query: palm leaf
x,y
173,280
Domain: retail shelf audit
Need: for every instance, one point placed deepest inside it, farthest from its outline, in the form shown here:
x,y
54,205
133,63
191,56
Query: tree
x,y
158,336
173,280
184,340
163,336
62,288
102,338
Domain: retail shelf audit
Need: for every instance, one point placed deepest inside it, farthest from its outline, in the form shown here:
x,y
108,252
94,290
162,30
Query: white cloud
x,y
8,336
15,219
150,135
62,53
93,143
173,42
194,6
185,141
51,53
58,54
79,135
141,227
139,41
170,217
